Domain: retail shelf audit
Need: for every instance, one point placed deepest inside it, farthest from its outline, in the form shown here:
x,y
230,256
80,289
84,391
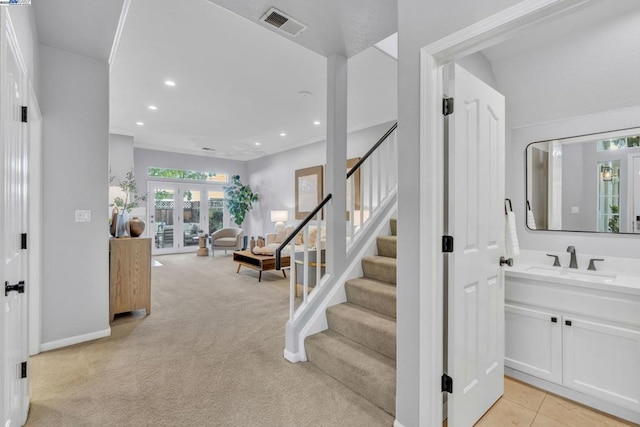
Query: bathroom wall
x,y
603,244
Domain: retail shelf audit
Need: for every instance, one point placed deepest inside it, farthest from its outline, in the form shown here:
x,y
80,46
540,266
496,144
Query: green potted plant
x,y
239,199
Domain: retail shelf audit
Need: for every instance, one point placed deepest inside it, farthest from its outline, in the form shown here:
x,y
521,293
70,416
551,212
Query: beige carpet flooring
x,y
210,354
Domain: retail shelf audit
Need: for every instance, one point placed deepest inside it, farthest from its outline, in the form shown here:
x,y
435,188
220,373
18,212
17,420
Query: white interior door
x,y
13,200
475,218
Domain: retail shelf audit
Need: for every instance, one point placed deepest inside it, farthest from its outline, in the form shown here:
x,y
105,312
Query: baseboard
x,y
47,346
292,357
576,396
397,423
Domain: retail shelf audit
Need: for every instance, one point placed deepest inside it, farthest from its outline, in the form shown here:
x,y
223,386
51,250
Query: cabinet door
x,y
603,360
533,342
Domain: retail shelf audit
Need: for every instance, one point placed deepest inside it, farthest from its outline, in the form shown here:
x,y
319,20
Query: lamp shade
x,y
279,216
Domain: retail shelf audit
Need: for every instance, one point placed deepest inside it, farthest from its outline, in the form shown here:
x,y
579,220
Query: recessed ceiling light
x,y
140,123
283,134
256,143
169,83
153,107
317,123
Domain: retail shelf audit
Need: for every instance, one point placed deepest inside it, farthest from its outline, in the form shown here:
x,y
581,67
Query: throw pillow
x,y
281,235
313,233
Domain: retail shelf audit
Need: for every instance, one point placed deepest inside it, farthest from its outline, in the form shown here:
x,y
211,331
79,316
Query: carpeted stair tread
x,y
366,327
366,372
372,294
394,226
380,268
387,246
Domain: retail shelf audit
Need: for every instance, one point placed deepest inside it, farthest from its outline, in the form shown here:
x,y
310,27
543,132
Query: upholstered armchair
x,y
227,239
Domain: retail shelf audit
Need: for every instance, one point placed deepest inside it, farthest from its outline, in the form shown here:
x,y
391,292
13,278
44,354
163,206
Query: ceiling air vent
x,y
208,149
283,22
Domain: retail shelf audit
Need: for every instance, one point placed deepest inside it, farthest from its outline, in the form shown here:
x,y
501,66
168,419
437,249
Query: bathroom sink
x,y
585,276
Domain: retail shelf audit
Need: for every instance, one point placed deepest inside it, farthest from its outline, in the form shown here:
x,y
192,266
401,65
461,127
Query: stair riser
x,y
378,271
374,301
381,340
388,248
366,384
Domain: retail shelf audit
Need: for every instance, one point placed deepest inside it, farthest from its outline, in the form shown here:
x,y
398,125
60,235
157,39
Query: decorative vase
x,y
260,242
252,243
114,221
136,227
121,226
245,242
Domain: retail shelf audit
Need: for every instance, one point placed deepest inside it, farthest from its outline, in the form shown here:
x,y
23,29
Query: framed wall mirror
x,y
588,183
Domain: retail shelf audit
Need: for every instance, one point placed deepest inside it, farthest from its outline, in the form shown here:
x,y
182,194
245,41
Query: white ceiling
x,y
85,27
582,63
237,83
334,26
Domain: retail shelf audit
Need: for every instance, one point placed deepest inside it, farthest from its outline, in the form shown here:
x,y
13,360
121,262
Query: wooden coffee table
x,y
259,262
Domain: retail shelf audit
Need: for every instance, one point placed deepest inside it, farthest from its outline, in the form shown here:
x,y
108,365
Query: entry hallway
x,y
210,354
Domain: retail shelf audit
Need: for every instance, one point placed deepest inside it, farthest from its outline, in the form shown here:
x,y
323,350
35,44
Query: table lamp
x,y
279,217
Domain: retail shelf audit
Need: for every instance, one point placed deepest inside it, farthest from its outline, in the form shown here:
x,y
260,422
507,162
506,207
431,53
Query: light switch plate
x,y
575,209
83,216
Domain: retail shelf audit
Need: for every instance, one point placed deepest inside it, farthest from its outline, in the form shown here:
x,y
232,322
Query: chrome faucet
x,y
573,263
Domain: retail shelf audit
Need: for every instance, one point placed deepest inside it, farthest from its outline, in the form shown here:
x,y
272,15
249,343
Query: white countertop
x,y
601,279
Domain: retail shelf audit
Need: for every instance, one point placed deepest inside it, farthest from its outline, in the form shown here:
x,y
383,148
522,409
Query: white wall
x,y
75,106
478,65
598,244
120,155
273,177
420,22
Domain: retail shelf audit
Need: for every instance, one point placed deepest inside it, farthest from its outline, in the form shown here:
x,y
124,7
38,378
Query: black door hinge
x,y
10,288
447,243
447,383
447,106
23,370
23,241
24,114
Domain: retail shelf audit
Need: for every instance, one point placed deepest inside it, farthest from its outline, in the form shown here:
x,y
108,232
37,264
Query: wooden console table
x,y
129,275
259,262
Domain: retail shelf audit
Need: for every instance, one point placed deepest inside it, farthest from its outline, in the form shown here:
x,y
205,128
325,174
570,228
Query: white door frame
x,y
35,220
433,57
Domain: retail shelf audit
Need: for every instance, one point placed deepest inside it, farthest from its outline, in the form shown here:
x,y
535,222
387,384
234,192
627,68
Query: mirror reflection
x,y
585,183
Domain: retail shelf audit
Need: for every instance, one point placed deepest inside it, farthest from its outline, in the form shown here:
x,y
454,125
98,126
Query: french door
x,y
180,212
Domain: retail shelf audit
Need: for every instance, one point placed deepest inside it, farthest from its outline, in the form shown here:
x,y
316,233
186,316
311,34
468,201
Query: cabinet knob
x,y
567,322
554,320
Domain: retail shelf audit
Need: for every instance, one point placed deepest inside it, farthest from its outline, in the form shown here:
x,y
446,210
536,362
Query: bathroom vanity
x,y
575,333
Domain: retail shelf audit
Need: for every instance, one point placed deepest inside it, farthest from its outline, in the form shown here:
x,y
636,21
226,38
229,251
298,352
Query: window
x,y
220,178
619,143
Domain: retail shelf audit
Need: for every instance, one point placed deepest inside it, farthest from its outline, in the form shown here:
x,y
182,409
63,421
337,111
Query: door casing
x,y
433,58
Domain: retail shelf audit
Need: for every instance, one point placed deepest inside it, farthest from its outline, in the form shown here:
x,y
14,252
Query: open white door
x,y
475,219
13,211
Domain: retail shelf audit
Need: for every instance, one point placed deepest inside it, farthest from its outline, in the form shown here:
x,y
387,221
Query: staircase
x,y
359,348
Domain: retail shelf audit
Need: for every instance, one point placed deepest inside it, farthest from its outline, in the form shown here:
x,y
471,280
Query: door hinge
x,y
23,241
10,288
24,114
447,243
447,106
23,370
447,383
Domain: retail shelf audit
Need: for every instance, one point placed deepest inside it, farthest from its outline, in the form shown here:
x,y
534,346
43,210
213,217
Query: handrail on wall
x,y
299,228
370,152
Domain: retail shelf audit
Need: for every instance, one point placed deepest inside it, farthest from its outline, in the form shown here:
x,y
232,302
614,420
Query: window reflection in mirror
x,y
585,183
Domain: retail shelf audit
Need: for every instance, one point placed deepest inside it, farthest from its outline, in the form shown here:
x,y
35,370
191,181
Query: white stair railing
x,y
370,183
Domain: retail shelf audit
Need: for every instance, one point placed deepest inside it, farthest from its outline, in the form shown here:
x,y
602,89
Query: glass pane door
x,y
162,218
216,213
191,219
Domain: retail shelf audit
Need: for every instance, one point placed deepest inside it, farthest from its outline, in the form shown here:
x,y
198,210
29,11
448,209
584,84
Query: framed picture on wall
x,y
309,190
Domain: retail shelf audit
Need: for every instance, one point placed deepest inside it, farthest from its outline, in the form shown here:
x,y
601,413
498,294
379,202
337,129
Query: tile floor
x,y
524,405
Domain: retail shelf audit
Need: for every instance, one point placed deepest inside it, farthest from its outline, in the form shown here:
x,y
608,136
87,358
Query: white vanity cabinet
x,y
581,342
533,341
